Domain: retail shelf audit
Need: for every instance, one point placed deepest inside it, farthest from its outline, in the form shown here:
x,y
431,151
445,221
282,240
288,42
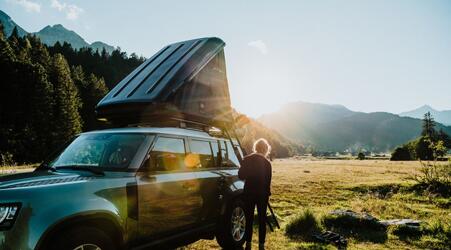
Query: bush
x,y
361,156
6,159
423,150
401,153
435,178
302,226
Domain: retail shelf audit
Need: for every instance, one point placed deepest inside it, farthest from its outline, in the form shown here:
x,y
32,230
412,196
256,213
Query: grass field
x,y
371,186
324,185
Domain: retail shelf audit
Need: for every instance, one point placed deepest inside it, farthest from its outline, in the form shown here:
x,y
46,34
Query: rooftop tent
x,y
185,80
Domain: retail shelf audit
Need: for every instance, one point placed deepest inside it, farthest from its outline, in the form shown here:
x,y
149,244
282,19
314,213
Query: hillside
x,y
443,117
49,35
57,33
250,130
9,24
336,128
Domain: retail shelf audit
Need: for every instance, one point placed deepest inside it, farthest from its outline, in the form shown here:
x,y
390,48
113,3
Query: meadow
x,y
380,187
377,187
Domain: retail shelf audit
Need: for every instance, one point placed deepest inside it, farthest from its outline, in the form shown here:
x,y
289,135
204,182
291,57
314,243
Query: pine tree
x,y
7,72
39,53
32,125
13,40
6,52
429,126
91,91
67,121
445,138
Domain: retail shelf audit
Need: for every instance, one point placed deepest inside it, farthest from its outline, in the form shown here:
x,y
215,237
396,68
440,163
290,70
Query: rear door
x,y
202,153
168,190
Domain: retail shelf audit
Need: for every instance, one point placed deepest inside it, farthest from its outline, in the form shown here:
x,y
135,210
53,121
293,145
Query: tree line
x,y
48,93
431,145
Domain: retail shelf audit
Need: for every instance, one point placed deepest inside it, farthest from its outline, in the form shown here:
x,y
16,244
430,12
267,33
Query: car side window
x,y
232,156
216,153
224,155
201,155
168,154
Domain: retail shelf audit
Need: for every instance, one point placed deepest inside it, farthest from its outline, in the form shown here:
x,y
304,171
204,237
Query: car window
x,y
168,154
232,156
201,155
106,150
216,153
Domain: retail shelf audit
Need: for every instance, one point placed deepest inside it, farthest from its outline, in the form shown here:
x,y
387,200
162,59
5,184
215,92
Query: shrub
x,y
361,156
435,178
423,150
303,225
401,153
6,159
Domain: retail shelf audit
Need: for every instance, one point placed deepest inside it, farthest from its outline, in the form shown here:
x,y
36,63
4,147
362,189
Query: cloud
x,y
260,45
72,11
29,6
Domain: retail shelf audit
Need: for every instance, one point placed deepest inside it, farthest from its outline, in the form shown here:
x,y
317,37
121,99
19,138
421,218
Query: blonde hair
x,y
262,146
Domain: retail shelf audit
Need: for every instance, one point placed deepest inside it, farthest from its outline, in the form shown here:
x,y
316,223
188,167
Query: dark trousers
x,y
262,203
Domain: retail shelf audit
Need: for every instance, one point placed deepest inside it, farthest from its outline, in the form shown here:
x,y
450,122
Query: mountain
x,y
58,33
9,24
336,128
250,130
98,45
443,117
52,34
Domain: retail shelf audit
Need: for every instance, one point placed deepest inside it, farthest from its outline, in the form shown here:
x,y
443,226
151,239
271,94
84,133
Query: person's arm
x,y
269,178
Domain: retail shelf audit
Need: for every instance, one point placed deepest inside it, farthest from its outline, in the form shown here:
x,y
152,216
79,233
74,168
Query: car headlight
x,y
8,214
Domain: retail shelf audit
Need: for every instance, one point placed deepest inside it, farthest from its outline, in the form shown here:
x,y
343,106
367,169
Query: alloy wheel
x,y
238,225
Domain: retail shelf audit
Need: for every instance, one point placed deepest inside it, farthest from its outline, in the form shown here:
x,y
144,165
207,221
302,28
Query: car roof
x,y
158,130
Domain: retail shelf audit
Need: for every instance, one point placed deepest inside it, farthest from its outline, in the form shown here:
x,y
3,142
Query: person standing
x,y
256,171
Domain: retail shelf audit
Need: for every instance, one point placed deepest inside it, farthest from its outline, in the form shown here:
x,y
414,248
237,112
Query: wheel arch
x,y
231,196
101,220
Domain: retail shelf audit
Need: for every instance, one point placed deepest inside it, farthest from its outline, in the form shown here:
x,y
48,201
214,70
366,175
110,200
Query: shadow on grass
x,y
358,229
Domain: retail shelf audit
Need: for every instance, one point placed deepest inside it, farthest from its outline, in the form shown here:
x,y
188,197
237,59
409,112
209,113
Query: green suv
x,y
127,188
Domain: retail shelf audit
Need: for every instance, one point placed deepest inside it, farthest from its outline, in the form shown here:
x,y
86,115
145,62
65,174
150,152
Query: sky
x,y
392,55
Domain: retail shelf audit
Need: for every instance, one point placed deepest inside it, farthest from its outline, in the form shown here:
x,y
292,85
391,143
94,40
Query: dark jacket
x,y
256,171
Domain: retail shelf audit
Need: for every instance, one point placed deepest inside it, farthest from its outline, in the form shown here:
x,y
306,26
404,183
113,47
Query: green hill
x,y
336,128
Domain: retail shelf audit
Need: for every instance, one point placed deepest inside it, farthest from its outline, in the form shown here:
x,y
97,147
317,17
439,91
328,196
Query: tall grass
x,y
303,225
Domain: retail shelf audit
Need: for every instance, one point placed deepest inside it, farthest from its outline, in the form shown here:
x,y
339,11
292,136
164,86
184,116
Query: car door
x,y
168,190
203,152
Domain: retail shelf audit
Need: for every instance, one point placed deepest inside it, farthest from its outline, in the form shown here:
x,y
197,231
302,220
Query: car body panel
x,y
191,198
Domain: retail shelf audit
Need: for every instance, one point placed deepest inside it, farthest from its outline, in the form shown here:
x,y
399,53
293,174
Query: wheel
x,y
83,238
231,232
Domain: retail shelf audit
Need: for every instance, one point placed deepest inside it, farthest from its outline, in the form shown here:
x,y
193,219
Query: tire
x,y
89,237
235,215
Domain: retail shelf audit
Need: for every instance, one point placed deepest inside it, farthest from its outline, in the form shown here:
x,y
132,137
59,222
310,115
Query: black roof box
x,y
185,80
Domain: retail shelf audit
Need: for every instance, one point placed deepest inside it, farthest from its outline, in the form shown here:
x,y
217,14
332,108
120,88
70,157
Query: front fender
x,y
45,207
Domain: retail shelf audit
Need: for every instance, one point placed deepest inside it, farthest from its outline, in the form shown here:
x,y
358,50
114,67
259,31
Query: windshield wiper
x,y
45,166
83,168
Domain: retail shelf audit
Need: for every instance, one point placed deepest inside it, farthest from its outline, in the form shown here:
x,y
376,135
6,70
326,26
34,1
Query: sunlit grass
x,y
371,186
377,187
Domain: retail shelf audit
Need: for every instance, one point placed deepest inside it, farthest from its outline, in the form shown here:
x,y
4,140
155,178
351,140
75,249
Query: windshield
x,y
103,150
